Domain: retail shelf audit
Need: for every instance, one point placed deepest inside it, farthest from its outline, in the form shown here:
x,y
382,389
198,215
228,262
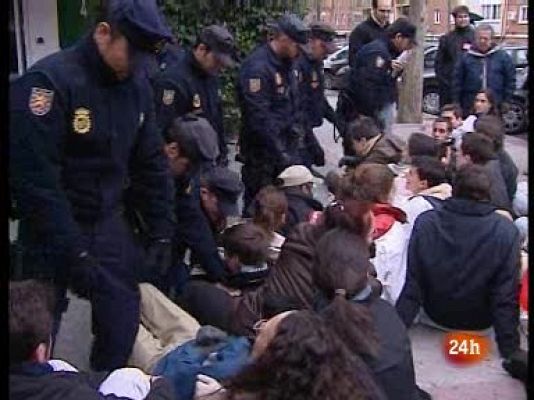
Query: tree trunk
x,y
410,108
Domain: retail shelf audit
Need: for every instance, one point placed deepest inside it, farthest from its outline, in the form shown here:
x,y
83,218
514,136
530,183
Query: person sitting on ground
x,y
34,376
463,265
428,183
297,184
453,112
479,149
375,181
442,133
245,255
484,104
364,143
421,144
493,127
369,326
270,210
297,356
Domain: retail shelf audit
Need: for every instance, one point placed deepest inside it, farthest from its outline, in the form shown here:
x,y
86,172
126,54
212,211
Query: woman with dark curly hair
x,y
368,325
296,356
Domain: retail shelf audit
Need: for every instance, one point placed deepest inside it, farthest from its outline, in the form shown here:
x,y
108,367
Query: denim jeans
x,y
386,116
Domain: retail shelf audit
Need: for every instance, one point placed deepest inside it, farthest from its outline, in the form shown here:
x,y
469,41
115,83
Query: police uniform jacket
x,y
267,90
79,137
311,92
371,84
364,33
184,87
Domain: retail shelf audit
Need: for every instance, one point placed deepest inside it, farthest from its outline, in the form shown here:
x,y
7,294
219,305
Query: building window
x,y
523,15
491,11
437,17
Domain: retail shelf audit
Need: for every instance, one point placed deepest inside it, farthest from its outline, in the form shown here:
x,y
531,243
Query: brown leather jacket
x,y
290,277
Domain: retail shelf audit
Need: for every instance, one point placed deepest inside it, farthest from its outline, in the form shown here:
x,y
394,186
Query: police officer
x,y
314,105
372,88
82,131
191,85
267,90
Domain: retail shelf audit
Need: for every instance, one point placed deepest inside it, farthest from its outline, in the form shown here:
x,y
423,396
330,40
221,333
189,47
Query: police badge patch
x,y
40,101
254,85
168,97
81,122
196,101
380,62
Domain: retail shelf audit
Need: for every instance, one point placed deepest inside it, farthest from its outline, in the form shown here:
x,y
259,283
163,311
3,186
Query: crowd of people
x,y
121,178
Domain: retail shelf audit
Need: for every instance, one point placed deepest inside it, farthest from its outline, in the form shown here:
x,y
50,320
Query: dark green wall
x,y
72,25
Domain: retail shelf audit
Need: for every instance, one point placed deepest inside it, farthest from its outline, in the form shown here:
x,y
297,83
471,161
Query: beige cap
x,y
295,175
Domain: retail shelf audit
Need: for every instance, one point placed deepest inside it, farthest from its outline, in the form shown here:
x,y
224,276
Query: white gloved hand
x,y
60,365
206,386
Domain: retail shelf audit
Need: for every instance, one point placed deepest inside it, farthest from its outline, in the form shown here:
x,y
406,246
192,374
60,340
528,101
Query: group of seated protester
x,y
305,301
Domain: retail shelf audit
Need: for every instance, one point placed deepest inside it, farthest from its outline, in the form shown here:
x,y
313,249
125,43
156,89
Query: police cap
x,y
292,26
198,132
227,185
404,27
221,42
141,22
324,32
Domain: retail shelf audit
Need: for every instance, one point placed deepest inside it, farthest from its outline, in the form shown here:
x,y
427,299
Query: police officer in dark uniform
x,y
190,84
314,105
267,90
82,130
372,88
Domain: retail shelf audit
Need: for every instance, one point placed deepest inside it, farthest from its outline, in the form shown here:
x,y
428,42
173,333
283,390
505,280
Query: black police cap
x,y
221,42
404,27
292,26
322,31
141,23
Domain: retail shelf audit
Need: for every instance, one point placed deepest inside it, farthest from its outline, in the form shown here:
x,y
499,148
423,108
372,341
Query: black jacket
x,y
392,367
299,208
364,33
509,172
463,269
184,87
451,47
40,382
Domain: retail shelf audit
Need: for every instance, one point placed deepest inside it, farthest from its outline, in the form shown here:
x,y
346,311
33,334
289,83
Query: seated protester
x,y
245,255
479,149
190,148
34,376
421,144
493,127
364,143
309,362
427,181
442,133
484,104
269,211
453,112
297,184
463,265
389,236
369,326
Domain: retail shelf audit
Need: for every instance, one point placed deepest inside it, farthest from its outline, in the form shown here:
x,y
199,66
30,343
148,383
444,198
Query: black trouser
x,y
255,174
114,294
445,95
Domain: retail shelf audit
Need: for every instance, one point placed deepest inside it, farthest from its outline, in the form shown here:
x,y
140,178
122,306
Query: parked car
x,y
331,66
515,119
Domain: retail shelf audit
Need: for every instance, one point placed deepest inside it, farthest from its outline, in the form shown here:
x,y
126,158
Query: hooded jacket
x,y
475,71
463,269
300,206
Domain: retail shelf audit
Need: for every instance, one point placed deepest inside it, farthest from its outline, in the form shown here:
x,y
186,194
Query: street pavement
x,y
444,381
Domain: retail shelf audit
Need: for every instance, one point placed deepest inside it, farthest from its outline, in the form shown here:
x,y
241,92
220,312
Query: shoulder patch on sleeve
x,y
40,101
168,97
254,85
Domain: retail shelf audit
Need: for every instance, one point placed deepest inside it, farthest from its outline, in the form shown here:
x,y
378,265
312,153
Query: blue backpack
x,y
182,365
